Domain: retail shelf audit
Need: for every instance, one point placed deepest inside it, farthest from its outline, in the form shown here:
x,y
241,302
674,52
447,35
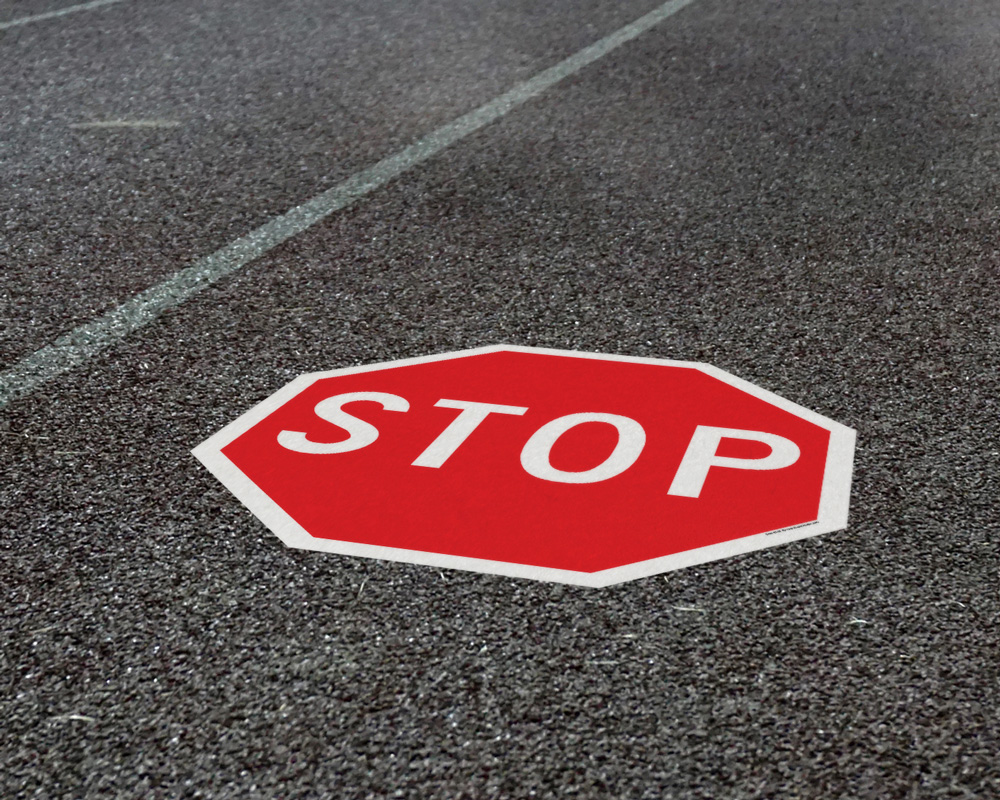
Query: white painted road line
x,y
62,12
126,123
92,337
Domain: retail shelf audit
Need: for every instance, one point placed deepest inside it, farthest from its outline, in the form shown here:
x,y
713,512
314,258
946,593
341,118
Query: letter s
x,y
361,433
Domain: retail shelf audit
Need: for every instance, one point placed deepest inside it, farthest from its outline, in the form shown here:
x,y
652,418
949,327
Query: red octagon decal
x,y
573,467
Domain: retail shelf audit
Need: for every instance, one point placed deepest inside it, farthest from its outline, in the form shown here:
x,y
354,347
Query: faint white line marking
x,y
128,123
72,717
88,339
62,12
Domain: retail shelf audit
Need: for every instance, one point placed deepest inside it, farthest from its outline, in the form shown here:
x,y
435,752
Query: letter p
x,y
700,457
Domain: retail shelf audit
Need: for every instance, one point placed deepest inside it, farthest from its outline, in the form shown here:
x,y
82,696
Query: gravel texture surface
x,y
802,193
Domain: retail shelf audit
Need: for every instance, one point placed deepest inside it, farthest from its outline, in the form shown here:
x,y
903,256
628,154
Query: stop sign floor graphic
x,y
580,468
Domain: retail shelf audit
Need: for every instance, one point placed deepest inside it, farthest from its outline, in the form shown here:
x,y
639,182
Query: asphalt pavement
x,y
802,193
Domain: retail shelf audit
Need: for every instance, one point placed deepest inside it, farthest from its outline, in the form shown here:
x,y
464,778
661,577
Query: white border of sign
x,y
833,506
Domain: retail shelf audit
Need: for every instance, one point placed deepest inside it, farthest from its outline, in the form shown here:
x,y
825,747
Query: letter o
x,y
536,452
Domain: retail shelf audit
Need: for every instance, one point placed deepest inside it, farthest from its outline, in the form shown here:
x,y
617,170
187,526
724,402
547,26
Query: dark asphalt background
x,y
803,193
